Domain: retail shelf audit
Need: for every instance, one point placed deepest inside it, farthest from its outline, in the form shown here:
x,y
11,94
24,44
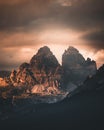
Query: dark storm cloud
x,y
21,22
97,36
79,15
95,39
85,15
82,15
20,13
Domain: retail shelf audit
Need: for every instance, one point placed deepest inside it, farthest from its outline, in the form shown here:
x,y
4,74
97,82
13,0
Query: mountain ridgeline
x,y
44,94
44,73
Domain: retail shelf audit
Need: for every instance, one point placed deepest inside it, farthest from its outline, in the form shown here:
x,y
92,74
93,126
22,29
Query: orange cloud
x,y
99,57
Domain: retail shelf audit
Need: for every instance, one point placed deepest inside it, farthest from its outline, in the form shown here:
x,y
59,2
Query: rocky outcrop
x,y
46,68
76,68
3,82
23,76
43,70
45,90
44,62
94,83
72,58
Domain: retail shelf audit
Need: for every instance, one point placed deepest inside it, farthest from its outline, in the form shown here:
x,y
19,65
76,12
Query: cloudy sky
x,y
27,25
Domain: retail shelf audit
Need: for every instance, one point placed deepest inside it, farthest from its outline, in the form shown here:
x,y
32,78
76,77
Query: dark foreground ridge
x,y
82,111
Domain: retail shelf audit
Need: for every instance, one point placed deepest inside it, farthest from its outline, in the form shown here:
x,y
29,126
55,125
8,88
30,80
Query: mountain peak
x,y
72,57
24,65
71,50
44,60
44,51
76,67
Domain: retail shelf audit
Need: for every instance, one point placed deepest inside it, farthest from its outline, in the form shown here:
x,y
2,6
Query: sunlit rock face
x,y
42,73
76,68
45,90
4,78
23,76
3,82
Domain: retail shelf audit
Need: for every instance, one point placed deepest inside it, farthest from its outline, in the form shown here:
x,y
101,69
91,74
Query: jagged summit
x,y
71,50
46,68
76,67
24,65
72,58
44,61
44,51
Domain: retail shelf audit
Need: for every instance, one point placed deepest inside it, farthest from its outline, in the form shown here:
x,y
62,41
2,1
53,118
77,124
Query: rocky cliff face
x,y
72,58
23,76
46,68
76,68
3,82
94,83
44,62
43,70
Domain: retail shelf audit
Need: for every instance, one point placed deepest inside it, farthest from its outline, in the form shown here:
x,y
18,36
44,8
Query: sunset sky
x,y
27,25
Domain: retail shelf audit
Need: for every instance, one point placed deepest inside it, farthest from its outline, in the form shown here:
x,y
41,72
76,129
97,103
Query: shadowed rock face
x,y
76,68
46,68
44,62
96,81
72,58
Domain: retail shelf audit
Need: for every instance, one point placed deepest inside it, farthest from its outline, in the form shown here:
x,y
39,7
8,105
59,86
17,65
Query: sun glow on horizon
x,y
58,36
